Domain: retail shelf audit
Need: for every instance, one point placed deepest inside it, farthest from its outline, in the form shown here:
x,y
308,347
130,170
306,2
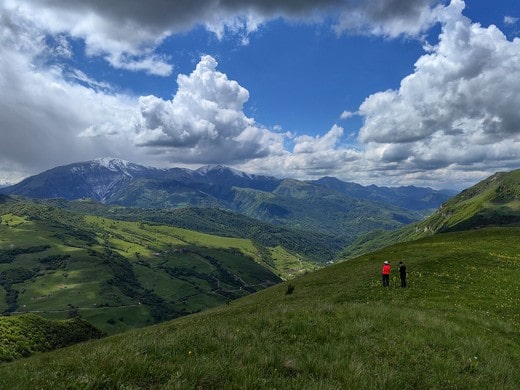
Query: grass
x,y
27,334
130,237
455,327
290,265
118,264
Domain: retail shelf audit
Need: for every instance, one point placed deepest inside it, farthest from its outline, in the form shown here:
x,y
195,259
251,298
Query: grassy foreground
x,y
457,326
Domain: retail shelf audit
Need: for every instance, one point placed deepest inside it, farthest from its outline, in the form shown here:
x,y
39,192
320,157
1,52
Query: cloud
x,y
44,109
455,118
83,78
204,122
126,33
458,109
389,18
510,20
124,40
347,114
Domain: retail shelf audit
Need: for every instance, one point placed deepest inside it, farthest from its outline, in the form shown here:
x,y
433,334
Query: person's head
x,y
386,262
401,262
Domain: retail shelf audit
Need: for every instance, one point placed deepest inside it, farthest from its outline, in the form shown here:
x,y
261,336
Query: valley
x,y
455,326
121,274
207,297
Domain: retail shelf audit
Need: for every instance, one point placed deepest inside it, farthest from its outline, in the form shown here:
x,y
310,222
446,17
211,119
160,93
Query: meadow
x,y
456,326
121,274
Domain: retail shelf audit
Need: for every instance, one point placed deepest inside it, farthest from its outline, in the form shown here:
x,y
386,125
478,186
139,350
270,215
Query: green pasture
x,y
77,270
290,265
456,326
130,238
117,319
21,233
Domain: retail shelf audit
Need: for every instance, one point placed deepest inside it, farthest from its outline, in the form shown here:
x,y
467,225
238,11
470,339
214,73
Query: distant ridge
x,y
494,201
100,178
410,197
328,206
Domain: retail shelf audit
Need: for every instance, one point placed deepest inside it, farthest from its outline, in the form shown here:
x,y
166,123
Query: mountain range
x,y
495,201
126,267
125,245
328,205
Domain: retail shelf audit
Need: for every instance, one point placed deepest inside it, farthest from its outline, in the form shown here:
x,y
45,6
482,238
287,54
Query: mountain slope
x,y
306,206
316,247
95,179
327,206
111,180
122,274
493,201
408,197
27,334
456,326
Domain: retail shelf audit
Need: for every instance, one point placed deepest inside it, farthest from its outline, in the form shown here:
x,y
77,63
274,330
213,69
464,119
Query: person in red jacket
x,y
386,274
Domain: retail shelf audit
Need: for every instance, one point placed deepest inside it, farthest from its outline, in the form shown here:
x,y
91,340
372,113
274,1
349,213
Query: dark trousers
x,y
403,280
386,280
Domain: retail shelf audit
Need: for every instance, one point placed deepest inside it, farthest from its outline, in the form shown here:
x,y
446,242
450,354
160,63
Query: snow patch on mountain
x,y
112,163
221,169
103,189
117,165
8,180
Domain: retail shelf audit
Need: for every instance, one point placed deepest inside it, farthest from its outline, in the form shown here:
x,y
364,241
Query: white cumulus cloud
x,y
455,118
510,19
42,114
204,122
126,33
458,110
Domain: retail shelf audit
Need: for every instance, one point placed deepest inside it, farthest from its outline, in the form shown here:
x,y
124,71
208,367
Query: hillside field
x,y
456,326
26,334
122,274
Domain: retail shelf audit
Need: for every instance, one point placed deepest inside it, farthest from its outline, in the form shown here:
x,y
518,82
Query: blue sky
x,y
401,92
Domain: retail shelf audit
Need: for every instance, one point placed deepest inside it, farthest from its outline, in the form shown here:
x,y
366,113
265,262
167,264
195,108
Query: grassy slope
x,y
315,247
494,201
27,334
95,250
456,326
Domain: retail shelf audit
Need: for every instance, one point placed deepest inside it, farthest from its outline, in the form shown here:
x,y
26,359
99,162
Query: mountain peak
x,y
222,169
110,161
114,164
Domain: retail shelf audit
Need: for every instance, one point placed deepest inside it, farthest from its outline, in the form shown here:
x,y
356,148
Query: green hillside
x,y
124,274
312,245
302,205
492,202
27,334
455,327
327,207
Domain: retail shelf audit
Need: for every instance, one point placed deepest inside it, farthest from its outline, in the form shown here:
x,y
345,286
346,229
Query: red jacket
x,y
386,269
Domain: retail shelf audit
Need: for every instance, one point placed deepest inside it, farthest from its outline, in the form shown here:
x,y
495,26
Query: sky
x,y
385,92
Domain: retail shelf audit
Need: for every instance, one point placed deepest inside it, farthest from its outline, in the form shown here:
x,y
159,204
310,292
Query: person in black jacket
x,y
402,273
